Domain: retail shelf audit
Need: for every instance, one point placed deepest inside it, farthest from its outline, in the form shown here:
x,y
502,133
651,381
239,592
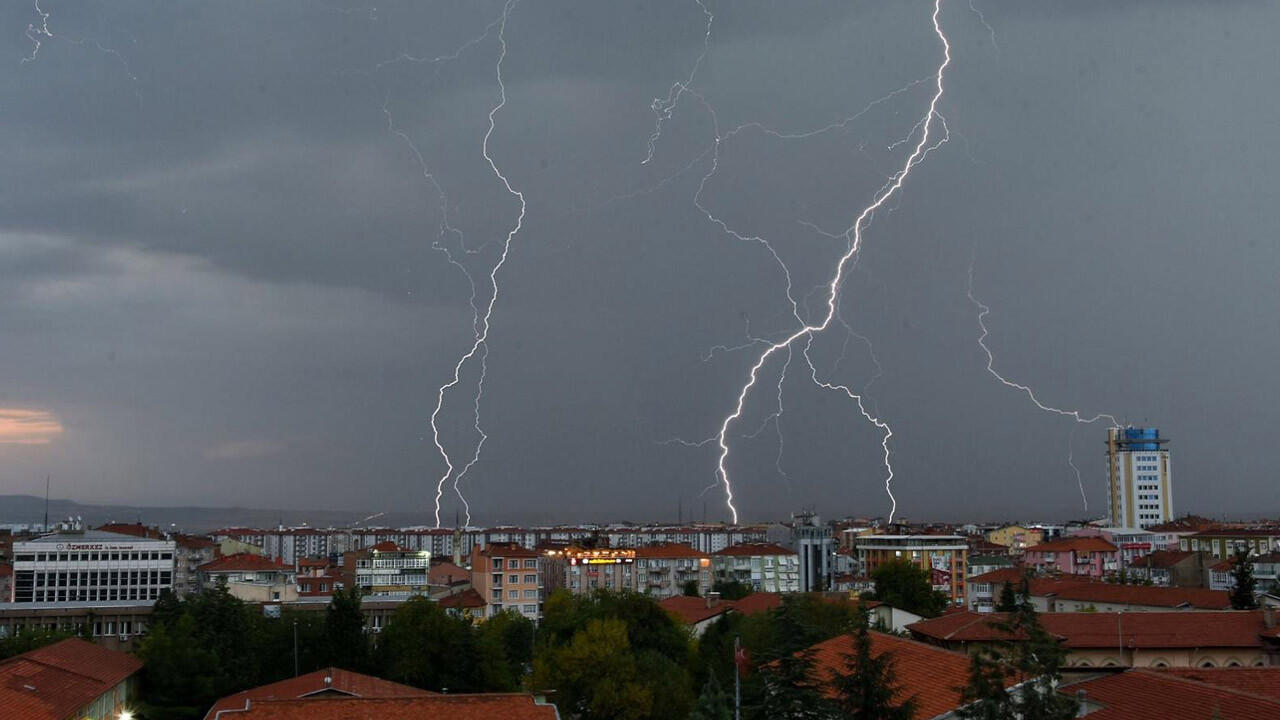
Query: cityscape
x,y
683,360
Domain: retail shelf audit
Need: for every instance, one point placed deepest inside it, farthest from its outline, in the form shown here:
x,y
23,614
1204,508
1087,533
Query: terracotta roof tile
x,y
1188,628
1074,544
55,681
669,550
1257,681
244,561
342,682
929,674
508,550
468,598
753,550
487,706
693,610
1149,695
1145,595
1162,559
446,573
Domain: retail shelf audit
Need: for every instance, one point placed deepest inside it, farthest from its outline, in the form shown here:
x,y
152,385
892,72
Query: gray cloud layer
x,y
220,276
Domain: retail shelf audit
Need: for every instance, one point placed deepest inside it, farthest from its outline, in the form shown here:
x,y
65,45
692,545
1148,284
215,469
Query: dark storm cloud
x,y
219,279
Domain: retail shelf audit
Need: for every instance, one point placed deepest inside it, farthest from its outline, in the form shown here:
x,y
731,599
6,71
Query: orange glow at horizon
x,y
21,426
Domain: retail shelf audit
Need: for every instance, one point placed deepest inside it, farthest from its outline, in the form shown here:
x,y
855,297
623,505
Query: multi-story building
x,y
766,567
252,578
584,570
1015,537
815,546
189,554
663,570
1133,543
91,566
1140,480
386,569
946,557
1091,556
1223,543
507,576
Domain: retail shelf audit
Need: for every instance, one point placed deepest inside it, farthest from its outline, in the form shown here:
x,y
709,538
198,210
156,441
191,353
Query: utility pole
x,y
295,647
46,503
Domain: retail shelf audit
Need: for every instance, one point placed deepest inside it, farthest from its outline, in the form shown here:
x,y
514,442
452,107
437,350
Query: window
x,y
530,609
531,578
531,564
513,579
513,564
513,594
530,594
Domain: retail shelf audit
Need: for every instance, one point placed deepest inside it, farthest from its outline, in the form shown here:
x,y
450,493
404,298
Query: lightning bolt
x,y
35,32
479,346
1075,415
662,109
854,235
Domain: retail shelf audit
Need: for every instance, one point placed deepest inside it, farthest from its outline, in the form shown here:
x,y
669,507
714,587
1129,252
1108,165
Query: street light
x,y
125,715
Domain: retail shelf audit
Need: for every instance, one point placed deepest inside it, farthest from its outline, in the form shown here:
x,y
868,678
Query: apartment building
x,y
1015,537
1223,543
507,576
386,569
1090,556
946,557
766,567
252,578
663,570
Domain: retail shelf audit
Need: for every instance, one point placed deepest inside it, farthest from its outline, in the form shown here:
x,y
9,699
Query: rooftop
x,y
926,673
693,610
1143,694
241,562
1074,544
55,681
508,706
327,683
669,550
507,550
754,549
1173,629
466,599
89,536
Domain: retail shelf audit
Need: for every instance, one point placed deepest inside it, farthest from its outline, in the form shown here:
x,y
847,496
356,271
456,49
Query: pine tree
x,y
1242,594
714,703
1008,598
790,692
1032,659
866,689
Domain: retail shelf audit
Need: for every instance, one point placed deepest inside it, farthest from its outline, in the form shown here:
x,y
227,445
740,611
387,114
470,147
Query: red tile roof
x,y
1150,695
693,610
507,550
669,550
386,546
55,681
1094,592
446,573
754,549
1074,544
929,674
134,529
1178,629
756,602
489,706
1258,681
244,562
313,685
192,542
1238,532
466,599
1162,559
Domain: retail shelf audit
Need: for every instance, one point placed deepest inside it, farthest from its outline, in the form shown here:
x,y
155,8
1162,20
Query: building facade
x,y
1015,537
387,568
765,567
91,566
1140,479
1088,556
946,557
507,576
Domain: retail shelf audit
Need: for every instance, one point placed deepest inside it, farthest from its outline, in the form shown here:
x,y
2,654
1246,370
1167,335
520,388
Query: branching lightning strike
x,y
855,235
35,32
480,344
1075,415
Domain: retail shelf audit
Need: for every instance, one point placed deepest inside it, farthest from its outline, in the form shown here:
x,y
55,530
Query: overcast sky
x,y
222,282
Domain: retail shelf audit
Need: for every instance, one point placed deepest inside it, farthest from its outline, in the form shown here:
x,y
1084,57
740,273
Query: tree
x,y
180,673
1030,658
866,688
731,589
789,691
503,651
1008,598
689,588
904,585
424,646
595,675
714,703
1242,572
346,643
30,639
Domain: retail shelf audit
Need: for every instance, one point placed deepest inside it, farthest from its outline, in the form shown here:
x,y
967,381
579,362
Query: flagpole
x,y
737,679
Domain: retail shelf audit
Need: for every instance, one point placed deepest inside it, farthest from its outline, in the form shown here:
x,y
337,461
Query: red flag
x,y
742,660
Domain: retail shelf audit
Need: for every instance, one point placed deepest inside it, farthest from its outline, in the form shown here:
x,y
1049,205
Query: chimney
x,y
713,599
1268,616
1082,703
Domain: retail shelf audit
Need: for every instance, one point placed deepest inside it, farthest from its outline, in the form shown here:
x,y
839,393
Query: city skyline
x,y
226,277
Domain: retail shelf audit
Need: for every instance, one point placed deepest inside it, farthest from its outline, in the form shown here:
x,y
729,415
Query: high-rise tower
x,y
1140,482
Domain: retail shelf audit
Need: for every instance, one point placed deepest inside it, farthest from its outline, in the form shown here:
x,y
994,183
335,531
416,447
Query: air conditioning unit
x,y
124,637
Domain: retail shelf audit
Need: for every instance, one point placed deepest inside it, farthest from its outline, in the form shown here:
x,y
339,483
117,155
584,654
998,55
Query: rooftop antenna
x,y
679,511
46,503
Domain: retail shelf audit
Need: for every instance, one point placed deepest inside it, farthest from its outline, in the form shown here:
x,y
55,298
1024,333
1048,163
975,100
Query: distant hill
x,y
30,509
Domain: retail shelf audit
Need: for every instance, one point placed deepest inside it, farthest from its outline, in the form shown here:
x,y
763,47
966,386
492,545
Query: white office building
x,y
91,566
1140,486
